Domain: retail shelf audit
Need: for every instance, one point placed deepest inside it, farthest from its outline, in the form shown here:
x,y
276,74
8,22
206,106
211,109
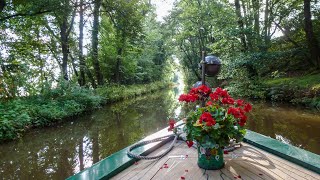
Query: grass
x,y
308,81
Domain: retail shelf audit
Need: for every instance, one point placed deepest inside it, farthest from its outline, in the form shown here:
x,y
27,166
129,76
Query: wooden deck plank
x,y
294,168
287,167
247,162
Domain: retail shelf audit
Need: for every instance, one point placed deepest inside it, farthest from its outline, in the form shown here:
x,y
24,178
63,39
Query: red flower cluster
x,y
171,124
189,143
203,90
239,113
206,117
223,95
188,97
195,94
219,107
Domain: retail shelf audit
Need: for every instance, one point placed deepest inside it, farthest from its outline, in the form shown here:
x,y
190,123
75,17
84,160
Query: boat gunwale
x,y
268,144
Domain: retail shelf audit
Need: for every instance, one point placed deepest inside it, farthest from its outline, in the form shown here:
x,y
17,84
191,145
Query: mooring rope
x,y
229,148
130,154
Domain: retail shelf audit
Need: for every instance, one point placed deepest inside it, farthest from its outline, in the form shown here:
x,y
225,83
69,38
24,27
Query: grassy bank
x,y
302,90
56,105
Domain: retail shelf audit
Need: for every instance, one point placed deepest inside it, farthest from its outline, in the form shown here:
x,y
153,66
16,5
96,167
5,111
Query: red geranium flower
x,y
214,96
188,97
171,124
247,107
206,117
211,123
189,143
240,102
227,101
224,93
209,103
204,89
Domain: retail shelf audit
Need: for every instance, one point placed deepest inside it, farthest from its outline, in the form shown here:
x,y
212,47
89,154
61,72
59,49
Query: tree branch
x,y
24,14
286,34
72,19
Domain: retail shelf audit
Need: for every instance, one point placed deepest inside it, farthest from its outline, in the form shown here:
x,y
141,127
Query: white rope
x,y
131,154
229,148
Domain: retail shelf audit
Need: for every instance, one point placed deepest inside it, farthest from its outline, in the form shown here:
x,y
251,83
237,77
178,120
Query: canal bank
x,y
58,105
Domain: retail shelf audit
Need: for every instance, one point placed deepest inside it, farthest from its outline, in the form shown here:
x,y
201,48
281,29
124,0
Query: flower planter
x,y
210,158
219,120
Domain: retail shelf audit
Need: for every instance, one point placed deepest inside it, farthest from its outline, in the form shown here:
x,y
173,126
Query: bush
x,y
13,119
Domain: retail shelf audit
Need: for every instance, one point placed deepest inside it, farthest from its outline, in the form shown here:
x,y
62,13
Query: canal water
x,y
61,151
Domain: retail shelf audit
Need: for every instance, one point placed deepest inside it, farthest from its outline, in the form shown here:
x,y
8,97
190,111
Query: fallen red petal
x,y
186,170
182,177
165,164
225,152
239,176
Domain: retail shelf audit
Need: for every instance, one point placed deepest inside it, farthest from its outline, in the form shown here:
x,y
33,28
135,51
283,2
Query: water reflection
x,y
292,125
58,152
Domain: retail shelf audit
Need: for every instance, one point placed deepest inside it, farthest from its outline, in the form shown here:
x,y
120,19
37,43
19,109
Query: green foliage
x,y
66,100
115,92
249,89
142,58
308,81
13,119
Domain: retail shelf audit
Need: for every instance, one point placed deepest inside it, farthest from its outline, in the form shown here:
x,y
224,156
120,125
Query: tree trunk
x,y
2,4
256,24
247,24
90,76
95,41
82,80
117,71
266,26
240,24
311,39
74,66
64,46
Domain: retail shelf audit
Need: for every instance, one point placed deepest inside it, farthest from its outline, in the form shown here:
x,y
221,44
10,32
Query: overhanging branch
x,y
24,14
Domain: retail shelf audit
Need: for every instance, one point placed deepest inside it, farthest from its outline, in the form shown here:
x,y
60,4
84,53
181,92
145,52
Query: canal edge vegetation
x,y
299,90
64,102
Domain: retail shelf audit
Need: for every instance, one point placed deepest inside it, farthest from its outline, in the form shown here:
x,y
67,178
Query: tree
x,y
127,18
241,25
312,41
95,42
82,80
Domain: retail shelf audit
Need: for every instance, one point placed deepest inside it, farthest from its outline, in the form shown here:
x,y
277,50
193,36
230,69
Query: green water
x,y
61,151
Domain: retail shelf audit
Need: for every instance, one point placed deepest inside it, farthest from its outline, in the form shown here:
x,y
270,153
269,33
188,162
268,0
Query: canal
x,y
60,151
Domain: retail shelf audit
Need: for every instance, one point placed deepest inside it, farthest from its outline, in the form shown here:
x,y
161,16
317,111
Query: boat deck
x,y
246,162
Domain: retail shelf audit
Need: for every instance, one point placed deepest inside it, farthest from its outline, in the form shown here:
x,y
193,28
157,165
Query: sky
x,y
163,8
